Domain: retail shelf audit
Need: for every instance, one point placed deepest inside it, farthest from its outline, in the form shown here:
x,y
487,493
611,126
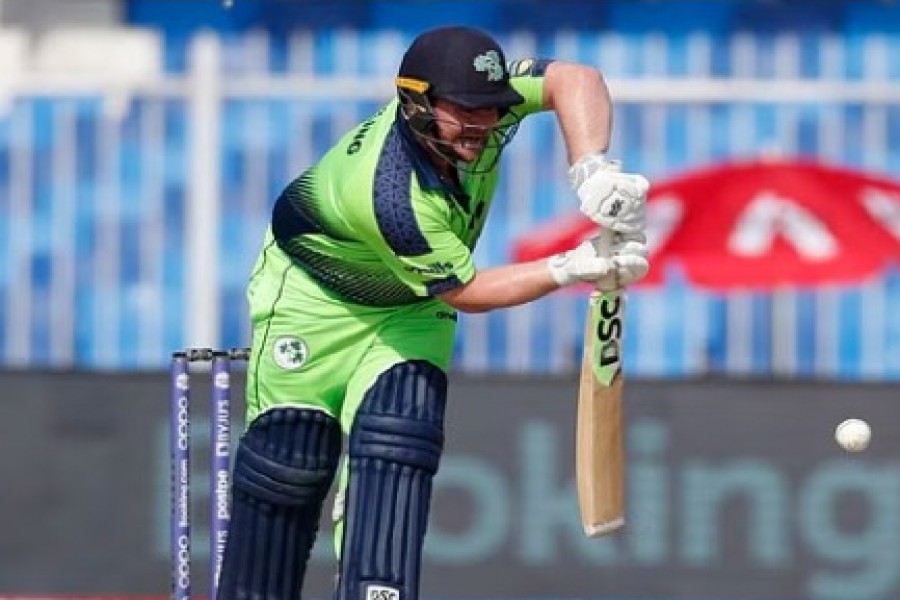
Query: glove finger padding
x,y
629,247
633,184
629,268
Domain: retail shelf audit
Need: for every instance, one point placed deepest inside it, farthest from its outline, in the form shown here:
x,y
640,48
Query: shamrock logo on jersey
x,y
489,62
290,352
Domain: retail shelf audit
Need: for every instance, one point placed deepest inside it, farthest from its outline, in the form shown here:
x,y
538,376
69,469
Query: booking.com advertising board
x,y
736,490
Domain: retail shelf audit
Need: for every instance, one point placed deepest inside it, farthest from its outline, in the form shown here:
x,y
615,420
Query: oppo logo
x,y
183,434
184,563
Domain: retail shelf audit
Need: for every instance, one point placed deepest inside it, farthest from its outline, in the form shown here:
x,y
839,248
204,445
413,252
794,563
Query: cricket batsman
x,y
354,300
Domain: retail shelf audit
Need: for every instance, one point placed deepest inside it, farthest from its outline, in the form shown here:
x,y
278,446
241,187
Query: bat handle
x,y
602,243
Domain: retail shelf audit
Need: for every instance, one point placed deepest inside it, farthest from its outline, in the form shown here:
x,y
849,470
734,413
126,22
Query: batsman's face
x,y
465,130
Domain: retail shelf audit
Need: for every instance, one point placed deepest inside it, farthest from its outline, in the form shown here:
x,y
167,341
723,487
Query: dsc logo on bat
x,y
609,328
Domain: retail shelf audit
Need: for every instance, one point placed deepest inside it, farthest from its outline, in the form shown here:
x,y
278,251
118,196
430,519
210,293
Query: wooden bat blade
x,y
599,451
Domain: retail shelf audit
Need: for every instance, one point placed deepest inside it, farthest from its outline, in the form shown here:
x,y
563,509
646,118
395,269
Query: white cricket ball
x,y
853,435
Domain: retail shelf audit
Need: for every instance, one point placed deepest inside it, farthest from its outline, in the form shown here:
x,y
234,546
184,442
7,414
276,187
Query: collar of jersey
x,y
429,178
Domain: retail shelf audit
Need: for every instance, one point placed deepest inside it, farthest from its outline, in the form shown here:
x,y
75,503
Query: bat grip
x,y
602,243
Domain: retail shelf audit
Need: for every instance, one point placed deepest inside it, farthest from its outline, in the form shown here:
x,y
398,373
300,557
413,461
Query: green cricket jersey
x,y
358,247
373,223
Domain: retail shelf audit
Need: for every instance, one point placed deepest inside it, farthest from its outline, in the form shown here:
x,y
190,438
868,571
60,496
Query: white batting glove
x,y
614,200
623,244
629,254
589,262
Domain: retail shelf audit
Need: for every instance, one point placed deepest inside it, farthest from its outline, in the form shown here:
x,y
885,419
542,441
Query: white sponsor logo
x,y
222,486
223,381
382,592
182,382
290,352
183,432
521,67
183,570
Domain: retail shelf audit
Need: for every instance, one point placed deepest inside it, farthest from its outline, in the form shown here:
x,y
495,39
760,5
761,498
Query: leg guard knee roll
x,y
395,447
283,469
286,455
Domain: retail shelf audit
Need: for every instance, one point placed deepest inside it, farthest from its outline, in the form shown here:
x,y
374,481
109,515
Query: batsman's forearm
x,y
580,98
500,287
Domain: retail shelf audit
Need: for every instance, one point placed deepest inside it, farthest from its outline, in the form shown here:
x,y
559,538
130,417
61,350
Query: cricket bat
x,y
599,450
